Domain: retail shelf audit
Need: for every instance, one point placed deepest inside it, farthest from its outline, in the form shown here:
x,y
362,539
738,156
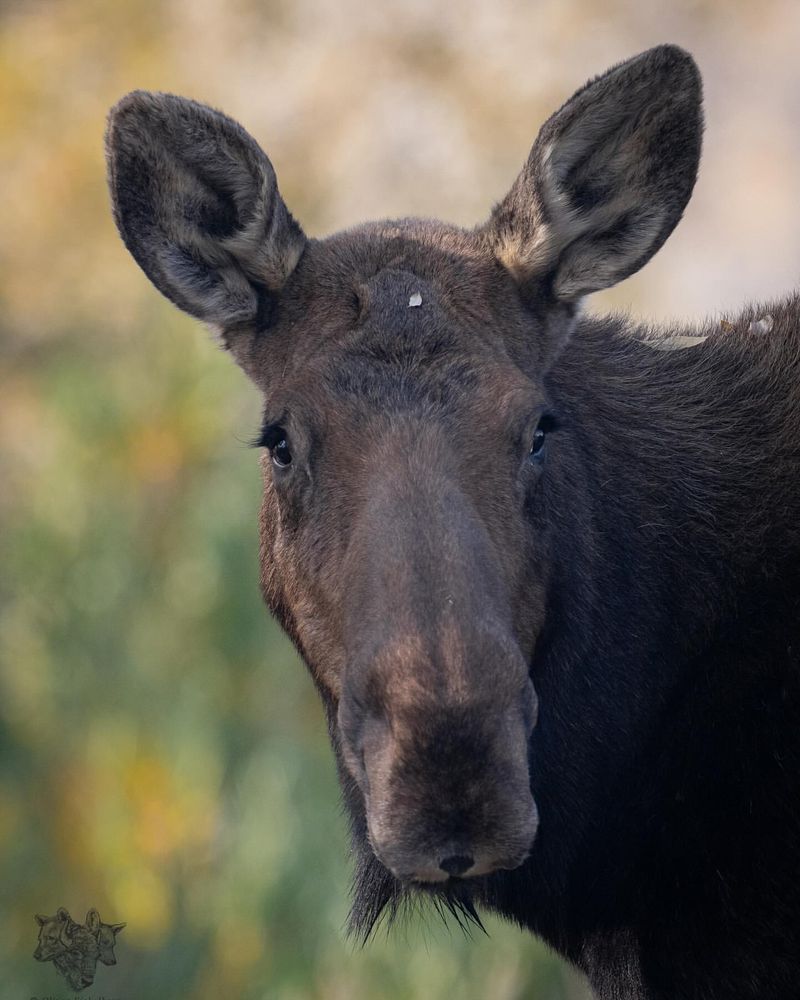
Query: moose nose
x,y
456,864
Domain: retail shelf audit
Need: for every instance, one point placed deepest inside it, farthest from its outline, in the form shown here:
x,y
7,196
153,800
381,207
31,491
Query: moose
x,y
543,567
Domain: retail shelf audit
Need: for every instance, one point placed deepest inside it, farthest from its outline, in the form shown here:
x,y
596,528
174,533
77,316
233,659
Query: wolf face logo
x,y
74,948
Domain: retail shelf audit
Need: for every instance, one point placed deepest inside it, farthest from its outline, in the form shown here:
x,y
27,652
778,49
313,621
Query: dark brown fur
x,y
639,572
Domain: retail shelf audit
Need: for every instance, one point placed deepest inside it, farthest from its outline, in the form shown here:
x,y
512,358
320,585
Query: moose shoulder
x,y
544,574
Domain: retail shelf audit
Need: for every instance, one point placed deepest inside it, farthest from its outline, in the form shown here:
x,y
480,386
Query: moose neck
x,y
683,481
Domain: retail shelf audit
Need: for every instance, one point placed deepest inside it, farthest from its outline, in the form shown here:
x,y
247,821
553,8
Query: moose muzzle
x,y
447,791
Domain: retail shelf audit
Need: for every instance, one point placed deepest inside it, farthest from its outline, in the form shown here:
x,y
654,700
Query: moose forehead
x,y
409,313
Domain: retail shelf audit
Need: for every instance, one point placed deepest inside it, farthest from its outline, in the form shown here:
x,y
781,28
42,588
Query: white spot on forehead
x,y
415,300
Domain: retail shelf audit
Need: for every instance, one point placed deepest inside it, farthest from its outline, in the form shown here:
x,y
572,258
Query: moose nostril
x,y
457,864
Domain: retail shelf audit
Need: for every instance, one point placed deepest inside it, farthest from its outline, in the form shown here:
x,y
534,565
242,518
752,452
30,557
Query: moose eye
x,y
275,439
538,442
281,454
546,424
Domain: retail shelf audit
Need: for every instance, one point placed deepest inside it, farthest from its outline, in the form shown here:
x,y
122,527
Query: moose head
x,y
415,465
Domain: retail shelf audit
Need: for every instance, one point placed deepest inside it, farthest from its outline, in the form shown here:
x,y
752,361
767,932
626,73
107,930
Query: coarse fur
x,y
545,574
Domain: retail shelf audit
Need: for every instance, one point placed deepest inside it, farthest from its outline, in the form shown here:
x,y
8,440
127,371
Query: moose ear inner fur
x,y
196,202
607,179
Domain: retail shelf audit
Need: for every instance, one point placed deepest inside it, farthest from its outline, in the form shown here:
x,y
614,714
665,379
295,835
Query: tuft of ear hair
x,y
196,202
607,179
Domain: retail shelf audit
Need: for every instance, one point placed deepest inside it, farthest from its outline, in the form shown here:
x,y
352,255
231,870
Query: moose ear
x,y
607,179
197,204
92,919
40,920
116,928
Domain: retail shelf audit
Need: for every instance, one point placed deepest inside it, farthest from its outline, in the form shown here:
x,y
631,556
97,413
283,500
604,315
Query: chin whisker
x,y
380,900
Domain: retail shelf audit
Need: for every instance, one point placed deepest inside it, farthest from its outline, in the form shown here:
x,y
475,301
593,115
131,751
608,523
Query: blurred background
x,y
163,755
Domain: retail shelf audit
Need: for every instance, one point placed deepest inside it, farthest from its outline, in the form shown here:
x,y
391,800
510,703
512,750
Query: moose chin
x,y
543,568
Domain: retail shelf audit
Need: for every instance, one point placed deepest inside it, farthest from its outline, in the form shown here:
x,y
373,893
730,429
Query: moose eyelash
x,y
268,436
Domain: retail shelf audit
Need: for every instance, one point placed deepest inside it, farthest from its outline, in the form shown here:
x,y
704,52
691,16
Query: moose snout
x,y
446,788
